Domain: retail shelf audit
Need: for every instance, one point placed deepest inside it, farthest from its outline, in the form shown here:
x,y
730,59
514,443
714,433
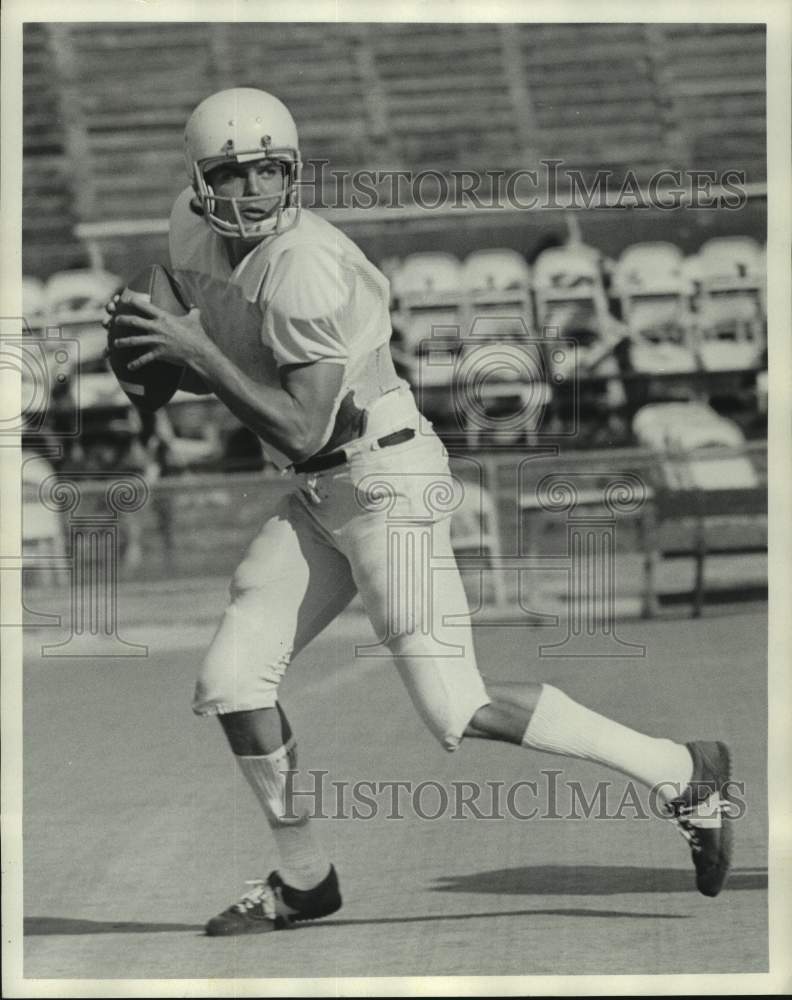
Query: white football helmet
x,y
242,125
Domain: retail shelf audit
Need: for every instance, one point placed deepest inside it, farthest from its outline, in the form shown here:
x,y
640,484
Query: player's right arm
x,y
305,324
296,416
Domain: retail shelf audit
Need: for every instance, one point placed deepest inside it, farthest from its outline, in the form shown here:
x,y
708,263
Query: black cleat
x,y
701,814
271,905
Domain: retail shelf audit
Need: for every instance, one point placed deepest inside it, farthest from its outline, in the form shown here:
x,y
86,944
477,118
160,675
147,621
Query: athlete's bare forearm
x,y
286,417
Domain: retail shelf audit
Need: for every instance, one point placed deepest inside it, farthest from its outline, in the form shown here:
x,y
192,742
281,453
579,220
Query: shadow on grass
x,y
67,925
591,880
73,925
540,880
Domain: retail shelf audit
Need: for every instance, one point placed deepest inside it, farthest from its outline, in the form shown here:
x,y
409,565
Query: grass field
x,y
137,827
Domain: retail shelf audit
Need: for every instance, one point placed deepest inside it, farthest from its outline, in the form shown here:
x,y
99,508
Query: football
x,y
151,386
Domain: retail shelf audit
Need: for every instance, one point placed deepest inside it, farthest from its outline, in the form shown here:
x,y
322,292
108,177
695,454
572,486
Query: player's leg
x,y
448,693
437,662
691,780
541,717
289,586
410,607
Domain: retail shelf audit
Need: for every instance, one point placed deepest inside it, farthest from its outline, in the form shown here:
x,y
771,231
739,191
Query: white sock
x,y
303,864
560,725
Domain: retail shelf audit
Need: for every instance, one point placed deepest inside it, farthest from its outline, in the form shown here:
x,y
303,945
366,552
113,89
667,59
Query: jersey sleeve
x,y
307,302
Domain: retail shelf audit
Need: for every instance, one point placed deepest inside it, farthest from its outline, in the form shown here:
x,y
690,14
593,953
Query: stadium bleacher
x,y
48,209
106,103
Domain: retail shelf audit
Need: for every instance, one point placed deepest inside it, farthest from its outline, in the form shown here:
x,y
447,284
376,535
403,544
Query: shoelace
x,y
690,819
261,894
688,831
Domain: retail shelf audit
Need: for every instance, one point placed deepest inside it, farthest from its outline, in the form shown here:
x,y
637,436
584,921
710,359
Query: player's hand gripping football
x,y
181,340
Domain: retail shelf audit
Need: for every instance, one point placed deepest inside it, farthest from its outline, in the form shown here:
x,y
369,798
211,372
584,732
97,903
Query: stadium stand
x,y
597,98
319,75
714,82
49,211
105,104
445,312
447,111
125,130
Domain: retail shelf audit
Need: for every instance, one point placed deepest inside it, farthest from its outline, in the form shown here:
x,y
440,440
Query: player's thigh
x,y
290,584
407,577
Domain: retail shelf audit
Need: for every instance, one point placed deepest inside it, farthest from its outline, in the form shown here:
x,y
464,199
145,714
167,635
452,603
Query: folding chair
x,y
79,296
428,279
497,277
699,478
731,310
427,288
677,429
653,289
510,411
34,302
428,358
762,264
570,298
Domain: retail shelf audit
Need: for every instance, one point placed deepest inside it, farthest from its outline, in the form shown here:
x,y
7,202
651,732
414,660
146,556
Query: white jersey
x,y
305,295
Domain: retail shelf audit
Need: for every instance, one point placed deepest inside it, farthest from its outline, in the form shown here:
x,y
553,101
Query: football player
x,y
290,328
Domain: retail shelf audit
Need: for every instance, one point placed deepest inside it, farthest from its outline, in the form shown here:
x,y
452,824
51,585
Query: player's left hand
x,y
178,339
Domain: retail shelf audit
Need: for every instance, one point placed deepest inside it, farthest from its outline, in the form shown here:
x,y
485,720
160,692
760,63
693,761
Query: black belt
x,y
319,463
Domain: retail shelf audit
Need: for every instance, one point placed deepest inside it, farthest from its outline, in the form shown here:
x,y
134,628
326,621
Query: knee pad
x,y
238,673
